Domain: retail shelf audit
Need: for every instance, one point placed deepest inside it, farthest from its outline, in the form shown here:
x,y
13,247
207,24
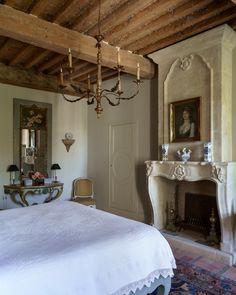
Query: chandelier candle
x,y
61,77
118,56
89,85
70,59
138,72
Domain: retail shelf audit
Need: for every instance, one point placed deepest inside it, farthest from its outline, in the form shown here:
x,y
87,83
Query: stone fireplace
x,y
164,176
204,67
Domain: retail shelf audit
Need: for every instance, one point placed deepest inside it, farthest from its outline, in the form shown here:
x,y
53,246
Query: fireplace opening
x,y
198,213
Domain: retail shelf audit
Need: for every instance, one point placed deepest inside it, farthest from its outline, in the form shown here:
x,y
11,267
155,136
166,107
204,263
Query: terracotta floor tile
x,y
230,273
209,265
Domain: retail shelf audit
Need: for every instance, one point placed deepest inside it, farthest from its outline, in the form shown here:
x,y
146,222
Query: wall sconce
x,y
55,167
68,140
12,169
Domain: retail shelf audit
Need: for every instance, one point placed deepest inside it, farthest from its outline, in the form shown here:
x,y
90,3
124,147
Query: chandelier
x,y
96,94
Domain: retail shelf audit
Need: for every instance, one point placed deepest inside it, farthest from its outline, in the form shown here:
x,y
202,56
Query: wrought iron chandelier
x,y
97,94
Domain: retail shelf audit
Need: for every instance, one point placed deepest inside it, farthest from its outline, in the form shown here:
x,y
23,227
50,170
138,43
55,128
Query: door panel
x,y
122,154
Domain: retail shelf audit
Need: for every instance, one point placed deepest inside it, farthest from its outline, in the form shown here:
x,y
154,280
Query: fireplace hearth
x,y
198,210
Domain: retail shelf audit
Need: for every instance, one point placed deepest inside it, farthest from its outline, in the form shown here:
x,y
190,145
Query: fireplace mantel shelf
x,y
192,163
164,176
191,171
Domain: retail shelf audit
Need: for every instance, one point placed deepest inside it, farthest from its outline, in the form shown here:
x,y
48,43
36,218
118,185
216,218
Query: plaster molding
x,y
186,62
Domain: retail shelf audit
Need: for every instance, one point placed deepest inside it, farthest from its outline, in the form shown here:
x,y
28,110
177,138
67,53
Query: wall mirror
x,y
32,135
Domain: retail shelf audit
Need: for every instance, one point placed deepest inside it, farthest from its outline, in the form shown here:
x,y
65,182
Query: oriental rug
x,y
191,279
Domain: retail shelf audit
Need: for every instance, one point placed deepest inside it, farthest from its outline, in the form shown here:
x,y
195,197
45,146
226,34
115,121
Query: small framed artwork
x,y
185,120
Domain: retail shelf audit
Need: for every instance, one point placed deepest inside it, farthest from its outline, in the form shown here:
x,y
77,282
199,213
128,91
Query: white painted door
x,y
122,154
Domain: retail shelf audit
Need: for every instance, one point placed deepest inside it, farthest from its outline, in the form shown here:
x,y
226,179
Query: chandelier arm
x,y
89,102
137,82
78,89
73,100
115,88
111,102
89,99
108,91
117,95
129,97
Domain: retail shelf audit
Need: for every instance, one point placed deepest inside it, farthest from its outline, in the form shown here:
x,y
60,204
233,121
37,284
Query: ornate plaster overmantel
x,y
163,176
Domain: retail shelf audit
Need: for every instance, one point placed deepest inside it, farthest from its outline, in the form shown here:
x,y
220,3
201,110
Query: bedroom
x,y
90,151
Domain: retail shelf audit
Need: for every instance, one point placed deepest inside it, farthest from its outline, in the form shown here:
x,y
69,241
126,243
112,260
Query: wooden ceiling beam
x,y
19,77
71,11
179,25
190,31
121,14
37,59
9,49
166,19
48,10
23,5
140,19
21,56
58,58
32,30
93,75
89,17
83,71
64,64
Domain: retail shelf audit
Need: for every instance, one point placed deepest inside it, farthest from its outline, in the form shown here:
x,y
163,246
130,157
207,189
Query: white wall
x,y
136,110
66,117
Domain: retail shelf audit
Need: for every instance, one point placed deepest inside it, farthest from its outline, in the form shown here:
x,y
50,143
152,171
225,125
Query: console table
x,y
51,191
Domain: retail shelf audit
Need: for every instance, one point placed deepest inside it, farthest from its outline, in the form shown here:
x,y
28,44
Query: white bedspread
x,y
63,248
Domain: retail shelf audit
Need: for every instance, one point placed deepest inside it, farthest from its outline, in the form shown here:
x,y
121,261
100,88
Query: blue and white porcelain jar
x,y
164,151
207,151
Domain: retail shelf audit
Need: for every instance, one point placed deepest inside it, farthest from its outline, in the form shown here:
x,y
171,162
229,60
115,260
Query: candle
x,y
119,85
61,77
118,56
94,87
89,86
70,58
119,82
138,71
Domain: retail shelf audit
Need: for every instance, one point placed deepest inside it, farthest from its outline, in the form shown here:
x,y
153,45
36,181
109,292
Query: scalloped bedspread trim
x,y
133,287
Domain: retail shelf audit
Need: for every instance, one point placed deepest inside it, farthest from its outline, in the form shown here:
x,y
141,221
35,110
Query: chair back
x,y
83,188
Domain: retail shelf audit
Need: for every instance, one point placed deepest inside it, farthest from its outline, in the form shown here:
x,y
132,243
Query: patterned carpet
x,y
193,280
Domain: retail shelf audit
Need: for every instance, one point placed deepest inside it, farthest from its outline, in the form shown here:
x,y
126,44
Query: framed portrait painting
x,y
185,120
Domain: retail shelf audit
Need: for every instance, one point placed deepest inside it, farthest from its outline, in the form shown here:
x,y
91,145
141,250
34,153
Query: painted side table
x,y
50,191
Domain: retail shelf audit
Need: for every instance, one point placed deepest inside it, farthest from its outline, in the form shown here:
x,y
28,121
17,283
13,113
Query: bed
x,y
64,248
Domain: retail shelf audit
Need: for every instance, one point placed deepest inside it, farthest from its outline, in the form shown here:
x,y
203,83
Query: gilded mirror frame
x,y
35,117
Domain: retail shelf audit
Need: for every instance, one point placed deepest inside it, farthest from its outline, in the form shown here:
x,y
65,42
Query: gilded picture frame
x,y
185,120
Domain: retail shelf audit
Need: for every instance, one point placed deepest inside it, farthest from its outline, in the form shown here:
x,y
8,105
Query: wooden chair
x,y
83,192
